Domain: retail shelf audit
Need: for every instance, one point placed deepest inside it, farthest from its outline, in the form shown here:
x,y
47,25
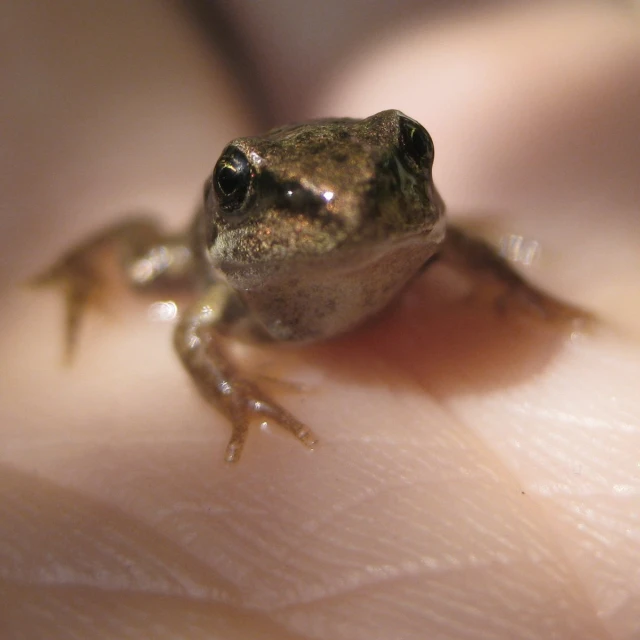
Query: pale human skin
x,y
478,477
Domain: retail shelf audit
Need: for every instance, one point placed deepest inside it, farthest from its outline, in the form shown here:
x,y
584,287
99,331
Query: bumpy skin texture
x,y
305,232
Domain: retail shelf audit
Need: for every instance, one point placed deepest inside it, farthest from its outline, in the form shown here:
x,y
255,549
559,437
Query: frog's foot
x,y
523,297
81,283
244,402
240,400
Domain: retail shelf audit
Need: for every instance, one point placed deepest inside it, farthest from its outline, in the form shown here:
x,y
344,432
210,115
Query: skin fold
x,y
478,473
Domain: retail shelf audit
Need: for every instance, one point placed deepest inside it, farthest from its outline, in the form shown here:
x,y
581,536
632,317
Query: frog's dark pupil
x,y
416,142
232,180
419,142
228,180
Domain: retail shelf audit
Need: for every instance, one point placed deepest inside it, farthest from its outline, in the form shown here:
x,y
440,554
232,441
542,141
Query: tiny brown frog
x,y
304,233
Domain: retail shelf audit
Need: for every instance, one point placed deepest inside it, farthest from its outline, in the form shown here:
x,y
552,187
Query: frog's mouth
x,y
291,268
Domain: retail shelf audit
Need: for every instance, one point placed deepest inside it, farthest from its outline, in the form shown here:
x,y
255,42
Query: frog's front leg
x,y
148,258
200,348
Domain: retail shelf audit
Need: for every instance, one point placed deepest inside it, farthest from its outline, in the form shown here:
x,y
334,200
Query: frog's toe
x,y
273,411
79,284
254,403
76,303
236,443
532,302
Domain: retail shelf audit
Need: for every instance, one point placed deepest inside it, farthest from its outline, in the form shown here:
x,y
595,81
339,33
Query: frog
x,y
303,234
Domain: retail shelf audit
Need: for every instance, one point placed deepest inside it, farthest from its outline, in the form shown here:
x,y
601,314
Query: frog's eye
x,y
416,142
232,181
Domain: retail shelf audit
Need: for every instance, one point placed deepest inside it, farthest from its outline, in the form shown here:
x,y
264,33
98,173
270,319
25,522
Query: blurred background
x,y
287,51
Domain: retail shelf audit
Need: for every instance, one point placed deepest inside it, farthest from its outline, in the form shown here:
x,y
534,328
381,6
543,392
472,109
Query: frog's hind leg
x,y
465,252
146,257
200,348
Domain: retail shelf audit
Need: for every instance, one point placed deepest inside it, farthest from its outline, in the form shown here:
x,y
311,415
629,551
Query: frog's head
x,y
325,203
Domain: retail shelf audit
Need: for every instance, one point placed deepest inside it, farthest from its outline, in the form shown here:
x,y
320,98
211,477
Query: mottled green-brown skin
x,y
338,217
